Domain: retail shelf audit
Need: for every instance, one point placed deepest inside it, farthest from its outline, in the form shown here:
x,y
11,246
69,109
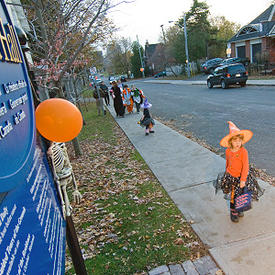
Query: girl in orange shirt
x,y
237,174
127,99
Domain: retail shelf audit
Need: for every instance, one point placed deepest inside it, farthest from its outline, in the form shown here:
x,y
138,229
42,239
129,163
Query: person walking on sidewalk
x,y
127,99
98,94
106,92
138,96
118,103
147,121
237,174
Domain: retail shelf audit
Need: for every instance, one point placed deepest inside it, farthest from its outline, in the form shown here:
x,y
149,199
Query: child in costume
x,y
237,174
137,96
147,121
127,99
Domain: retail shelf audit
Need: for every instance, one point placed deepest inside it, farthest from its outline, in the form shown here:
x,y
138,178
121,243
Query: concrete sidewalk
x,y
263,82
186,171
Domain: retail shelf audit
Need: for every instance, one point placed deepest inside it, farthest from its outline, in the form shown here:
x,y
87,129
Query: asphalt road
x,y
204,112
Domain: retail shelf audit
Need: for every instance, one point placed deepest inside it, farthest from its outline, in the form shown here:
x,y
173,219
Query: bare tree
x,y
64,35
61,30
119,53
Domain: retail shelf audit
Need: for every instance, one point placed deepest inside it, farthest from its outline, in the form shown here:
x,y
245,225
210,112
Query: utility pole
x,y
141,61
186,47
164,51
186,43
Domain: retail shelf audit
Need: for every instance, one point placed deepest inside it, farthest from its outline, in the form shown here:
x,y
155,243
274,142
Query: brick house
x,y
154,57
257,39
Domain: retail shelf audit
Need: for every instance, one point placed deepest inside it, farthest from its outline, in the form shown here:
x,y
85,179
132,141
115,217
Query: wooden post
x,y
72,241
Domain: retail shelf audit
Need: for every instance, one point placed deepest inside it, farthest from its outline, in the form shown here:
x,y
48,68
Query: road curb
x,y
188,82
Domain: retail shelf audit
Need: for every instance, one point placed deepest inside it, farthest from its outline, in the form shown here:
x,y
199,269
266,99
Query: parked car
x,y
210,65
245,61
163,73
123,78
227,75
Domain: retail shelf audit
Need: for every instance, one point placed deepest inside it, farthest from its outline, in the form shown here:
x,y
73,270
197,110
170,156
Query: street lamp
x,y
186,43
163,34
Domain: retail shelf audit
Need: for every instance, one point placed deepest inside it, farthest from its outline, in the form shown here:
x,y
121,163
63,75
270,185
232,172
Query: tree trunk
x,y
85,105
41,22
77,148
80,109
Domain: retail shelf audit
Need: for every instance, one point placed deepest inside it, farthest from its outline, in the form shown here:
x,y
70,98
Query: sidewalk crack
x,y
194,185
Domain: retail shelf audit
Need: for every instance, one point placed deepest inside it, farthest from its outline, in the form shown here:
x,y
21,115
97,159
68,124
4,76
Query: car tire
x,y
209,84
242,84
223,84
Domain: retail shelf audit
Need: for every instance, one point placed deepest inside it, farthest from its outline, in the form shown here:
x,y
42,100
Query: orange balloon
x,y
58,120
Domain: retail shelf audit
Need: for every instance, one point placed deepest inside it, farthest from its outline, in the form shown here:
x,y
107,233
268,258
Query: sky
x,y
144,17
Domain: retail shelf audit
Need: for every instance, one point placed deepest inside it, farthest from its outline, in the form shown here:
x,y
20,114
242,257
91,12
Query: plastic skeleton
x,y
63,175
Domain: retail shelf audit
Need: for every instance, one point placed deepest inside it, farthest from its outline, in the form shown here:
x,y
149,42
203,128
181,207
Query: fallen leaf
x,y
186,235
179,241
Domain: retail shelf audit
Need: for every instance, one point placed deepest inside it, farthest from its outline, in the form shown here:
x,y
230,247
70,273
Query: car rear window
x,y
236,69
213,61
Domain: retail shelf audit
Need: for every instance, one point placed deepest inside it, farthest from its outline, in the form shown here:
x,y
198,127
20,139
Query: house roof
x,y
261,29
267,15
150,49
261,26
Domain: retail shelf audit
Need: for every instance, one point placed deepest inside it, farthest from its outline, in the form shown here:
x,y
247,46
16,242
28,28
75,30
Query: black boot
x,y
240,214
234,216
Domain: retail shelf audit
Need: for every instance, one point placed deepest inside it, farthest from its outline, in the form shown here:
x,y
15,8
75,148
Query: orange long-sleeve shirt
x,y
237,164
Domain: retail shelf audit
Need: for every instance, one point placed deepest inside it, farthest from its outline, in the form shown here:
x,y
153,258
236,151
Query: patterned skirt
x,y
228,182
147,121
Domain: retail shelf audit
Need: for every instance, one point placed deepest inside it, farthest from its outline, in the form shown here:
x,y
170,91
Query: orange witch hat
x,y
233,131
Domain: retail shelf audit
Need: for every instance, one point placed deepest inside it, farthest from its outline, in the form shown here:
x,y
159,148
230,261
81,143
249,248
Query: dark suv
x,y
227,75
211,64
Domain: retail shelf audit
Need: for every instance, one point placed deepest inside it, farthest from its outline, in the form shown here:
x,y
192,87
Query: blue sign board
x,y
32,228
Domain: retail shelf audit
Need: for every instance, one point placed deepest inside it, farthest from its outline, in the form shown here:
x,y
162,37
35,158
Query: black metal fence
x,y
261,69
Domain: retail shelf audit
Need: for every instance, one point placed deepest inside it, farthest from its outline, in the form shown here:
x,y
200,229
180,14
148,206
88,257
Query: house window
x,y
241,51
256,52
247,30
